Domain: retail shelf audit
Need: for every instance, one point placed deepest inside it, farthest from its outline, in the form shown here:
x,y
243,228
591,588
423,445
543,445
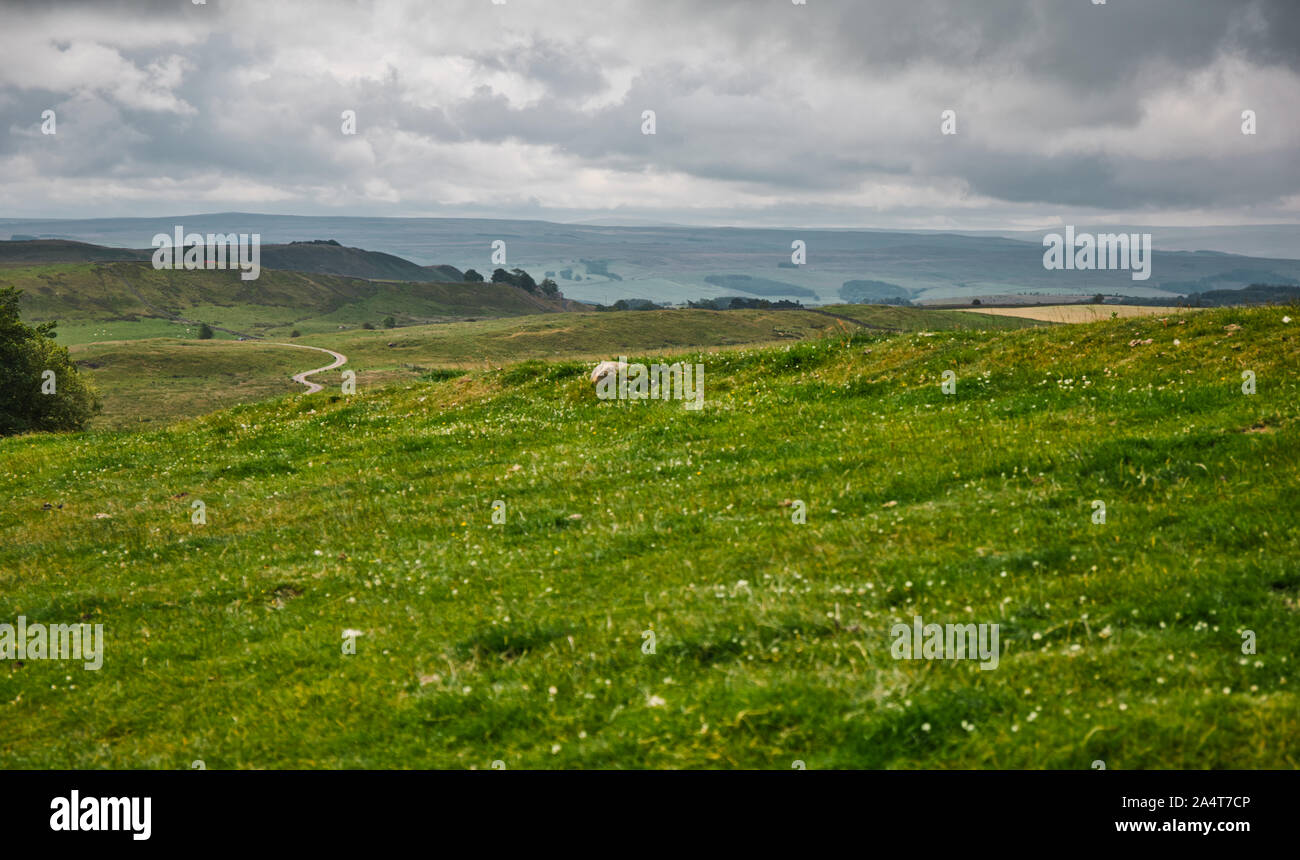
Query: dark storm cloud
x,y
1075,43
530,106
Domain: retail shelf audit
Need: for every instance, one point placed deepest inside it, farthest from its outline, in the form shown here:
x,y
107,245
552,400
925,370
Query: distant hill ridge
x,y
676,265
321,256
130,299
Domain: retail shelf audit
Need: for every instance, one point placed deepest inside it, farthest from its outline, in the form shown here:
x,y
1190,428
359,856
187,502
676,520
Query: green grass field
x,y
163,379
129,301
592,336
155,382
523,642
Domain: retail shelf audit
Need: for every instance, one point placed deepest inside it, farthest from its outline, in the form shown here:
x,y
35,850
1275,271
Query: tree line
x,y
517,278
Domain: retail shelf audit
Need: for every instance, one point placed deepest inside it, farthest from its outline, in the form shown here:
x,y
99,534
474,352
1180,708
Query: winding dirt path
x,y
312,387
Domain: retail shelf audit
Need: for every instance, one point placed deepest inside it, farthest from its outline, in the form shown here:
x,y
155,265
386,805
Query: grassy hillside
x,y
573,336
41,251
124,300
523,642
339,260
317,257
155,382
599,335
163,379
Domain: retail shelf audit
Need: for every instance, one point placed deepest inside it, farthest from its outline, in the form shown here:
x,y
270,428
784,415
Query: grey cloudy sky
x,y
768,113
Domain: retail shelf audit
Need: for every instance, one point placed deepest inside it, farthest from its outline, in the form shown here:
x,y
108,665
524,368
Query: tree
x,y
975,301
389,322
525,281
550,288
515,278
40,387
1098,299
295,333
472,277
368,326
205,331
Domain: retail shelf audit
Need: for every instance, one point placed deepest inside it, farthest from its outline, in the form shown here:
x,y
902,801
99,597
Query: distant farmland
x,y
1078,313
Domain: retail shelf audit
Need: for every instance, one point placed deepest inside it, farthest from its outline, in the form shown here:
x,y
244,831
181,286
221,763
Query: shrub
x,y
40,387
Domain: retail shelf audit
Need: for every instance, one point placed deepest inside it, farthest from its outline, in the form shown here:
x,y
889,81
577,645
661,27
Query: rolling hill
x,y
602,264
317,257
127,300
163,379
648,600
102,307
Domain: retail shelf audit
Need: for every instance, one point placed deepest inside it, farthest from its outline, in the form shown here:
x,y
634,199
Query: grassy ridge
x,y
299,257
120,301
599,335
573,336
165,379
523,642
